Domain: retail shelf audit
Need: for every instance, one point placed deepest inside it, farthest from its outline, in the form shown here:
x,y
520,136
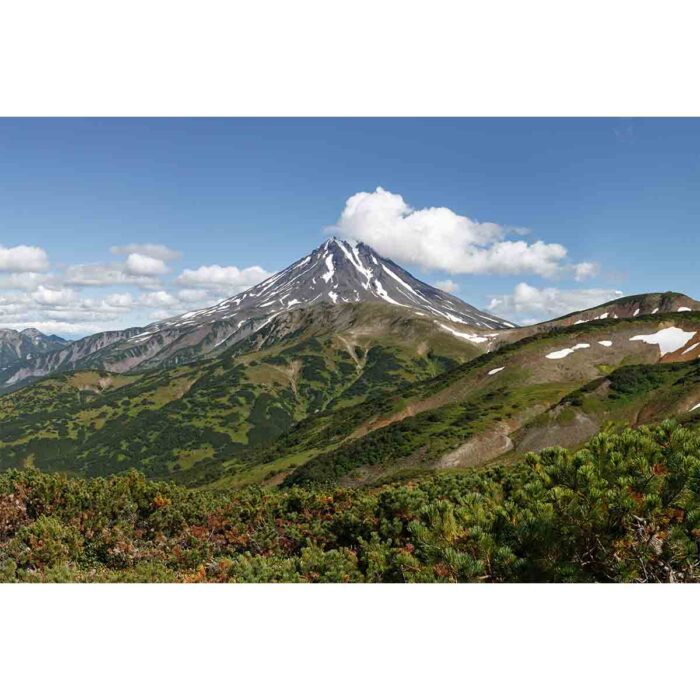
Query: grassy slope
x,y
469,410
186,422
630,395
357,403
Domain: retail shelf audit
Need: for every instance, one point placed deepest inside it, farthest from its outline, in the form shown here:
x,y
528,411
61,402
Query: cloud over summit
x,y
437,238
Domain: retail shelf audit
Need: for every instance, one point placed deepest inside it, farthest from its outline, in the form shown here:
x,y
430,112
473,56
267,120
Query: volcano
x,y
337,272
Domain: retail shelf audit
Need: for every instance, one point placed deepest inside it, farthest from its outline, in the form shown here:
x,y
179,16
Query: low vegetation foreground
x,y
626,507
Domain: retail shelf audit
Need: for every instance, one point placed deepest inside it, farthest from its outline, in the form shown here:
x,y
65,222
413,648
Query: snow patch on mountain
x,y
328,276
668,339
561,354
466,336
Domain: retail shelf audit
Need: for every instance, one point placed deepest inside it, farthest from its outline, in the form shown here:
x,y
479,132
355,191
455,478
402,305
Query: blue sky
x,y
252,195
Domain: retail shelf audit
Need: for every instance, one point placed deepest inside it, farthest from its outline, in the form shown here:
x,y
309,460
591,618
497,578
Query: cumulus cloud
x,y
139,269
193,296
123,301
75,300
24,280
63,310
438,238
530,304
99,275
23,258
152,250
230,280
158,299
11,306
447,286
140,264
585,270
46,296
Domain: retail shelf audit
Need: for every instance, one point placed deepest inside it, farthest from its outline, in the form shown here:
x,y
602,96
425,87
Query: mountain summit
x,y
341,272
337,272
22,345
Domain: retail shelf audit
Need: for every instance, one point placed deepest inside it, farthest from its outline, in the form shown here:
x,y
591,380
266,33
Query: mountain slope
x,y
341,367
349,391
336,273
16,346
472,414
166,422
630,395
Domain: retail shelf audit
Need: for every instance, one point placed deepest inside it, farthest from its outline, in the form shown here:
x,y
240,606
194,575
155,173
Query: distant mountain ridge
x,y
337,272
16,346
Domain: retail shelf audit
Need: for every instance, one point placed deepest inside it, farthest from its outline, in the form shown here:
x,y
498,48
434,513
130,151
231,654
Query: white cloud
x,y
230,280
447,286
10,306
585,270
23,258
164,304
124,301
158,299
62,310
138,269
438,238
194,296
153,250
140,264
530,304
70,301
24,280
99,275
46,296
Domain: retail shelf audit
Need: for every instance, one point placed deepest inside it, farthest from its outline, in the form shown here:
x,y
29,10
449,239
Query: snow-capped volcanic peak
x,y
340,272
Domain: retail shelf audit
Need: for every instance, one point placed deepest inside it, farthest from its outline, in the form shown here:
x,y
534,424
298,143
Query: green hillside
x,y
363,395
469,416
630,395
184,423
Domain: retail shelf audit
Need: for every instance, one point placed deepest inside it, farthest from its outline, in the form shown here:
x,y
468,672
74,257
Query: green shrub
x,y
624,508
46,543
